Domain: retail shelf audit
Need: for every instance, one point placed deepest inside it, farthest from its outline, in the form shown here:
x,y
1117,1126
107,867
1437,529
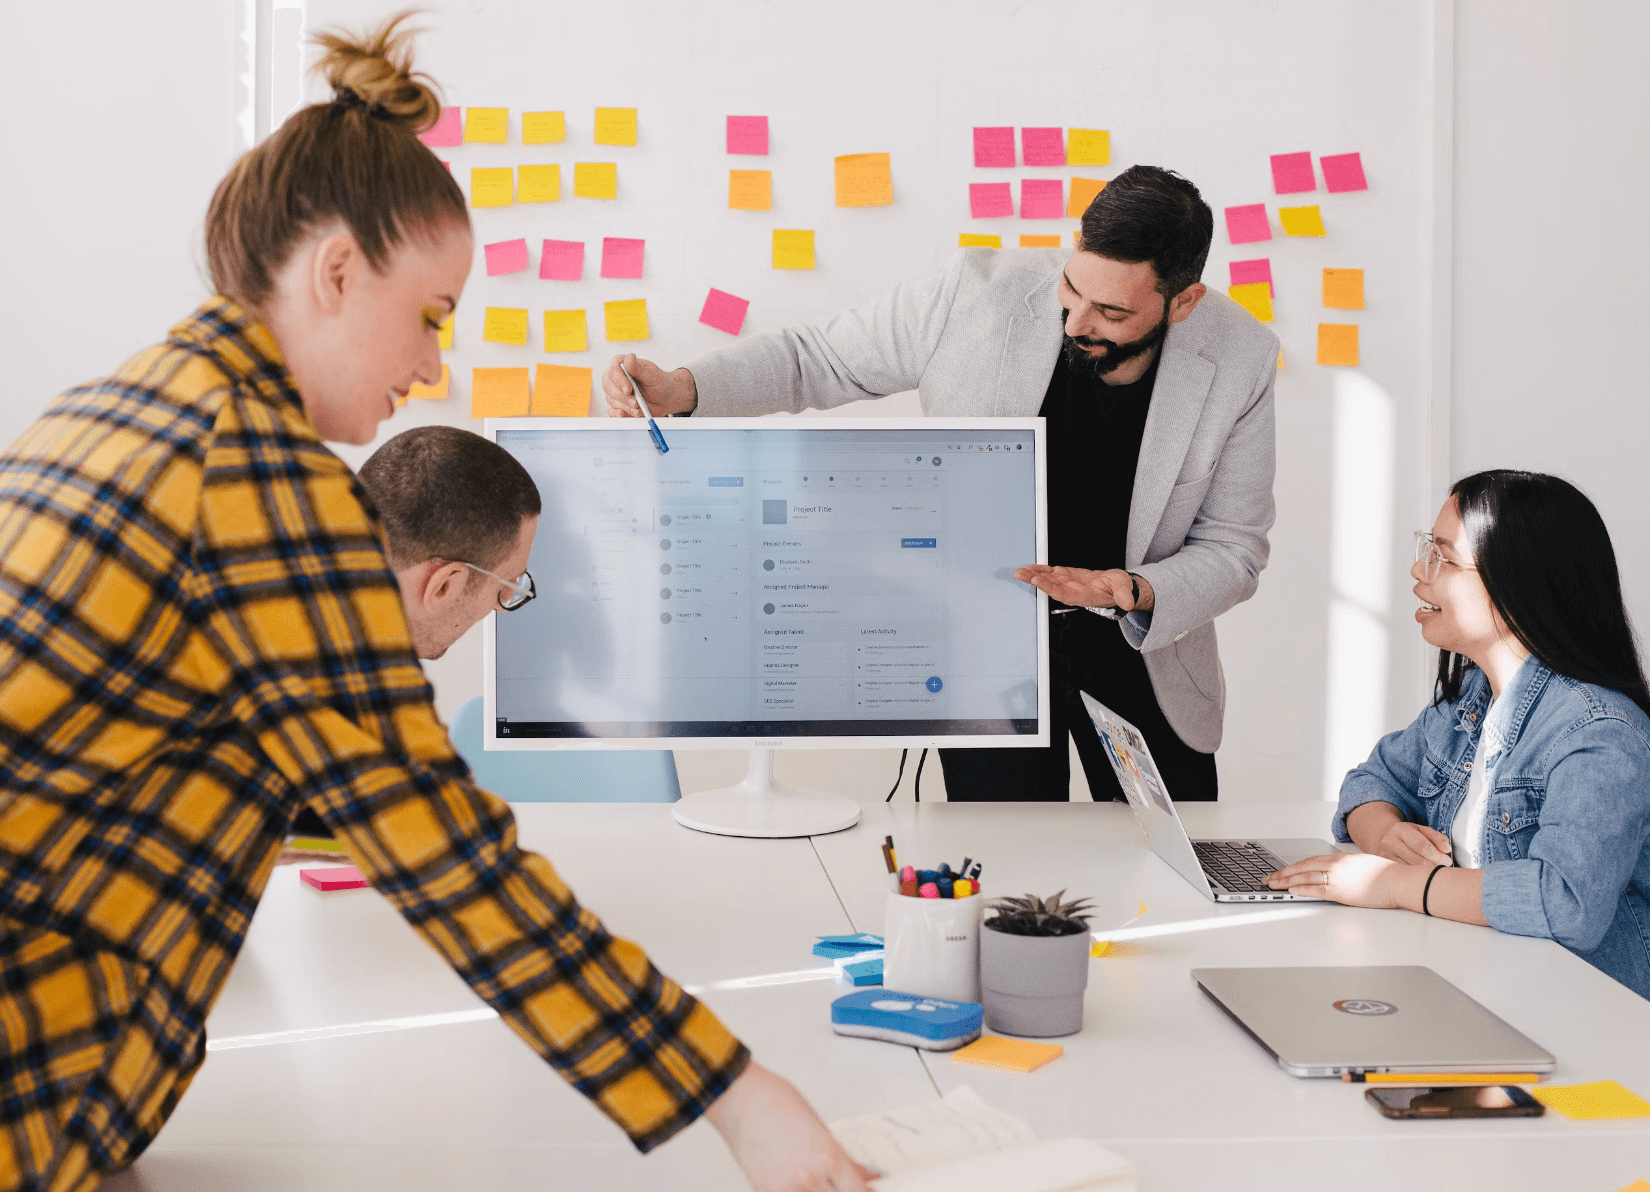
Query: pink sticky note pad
x,y
1043,146
1343,172
507,256
449,130
724,312
994,147
562,260
988,200
1292,173
748,135
1245,225
337,877
621,258
1041,198
1246,273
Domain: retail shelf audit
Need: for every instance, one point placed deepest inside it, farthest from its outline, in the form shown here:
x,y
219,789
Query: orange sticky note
x,y
1088,147
499,392
1017,1055
431,392
1083,191
626,320
975,240
615,126
444,336
1338,344
750,190
1592,1102
492,187
864,180
564,331
543,128
539,184
505,325
1301,221
1343,289
1280,361
488,125
561,391
1636,1186
1039,242
793,248
596,180
1254,297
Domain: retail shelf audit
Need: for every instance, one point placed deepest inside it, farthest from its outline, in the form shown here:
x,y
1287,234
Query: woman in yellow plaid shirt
x,y
199,635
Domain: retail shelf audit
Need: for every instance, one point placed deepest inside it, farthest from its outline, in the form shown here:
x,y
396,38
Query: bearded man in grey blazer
x,y
1158,397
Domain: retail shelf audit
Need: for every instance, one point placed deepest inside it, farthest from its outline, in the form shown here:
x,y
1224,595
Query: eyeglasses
x,y
521,590
1432,559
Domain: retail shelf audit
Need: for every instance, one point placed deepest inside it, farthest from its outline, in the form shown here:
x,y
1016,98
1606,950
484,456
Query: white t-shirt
x,y
1466,831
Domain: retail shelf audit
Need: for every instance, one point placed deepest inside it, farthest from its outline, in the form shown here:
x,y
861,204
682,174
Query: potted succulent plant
x,y
1034,965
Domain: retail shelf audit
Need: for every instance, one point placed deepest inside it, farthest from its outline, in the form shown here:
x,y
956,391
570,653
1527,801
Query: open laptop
x,y
1375,1018
1224,870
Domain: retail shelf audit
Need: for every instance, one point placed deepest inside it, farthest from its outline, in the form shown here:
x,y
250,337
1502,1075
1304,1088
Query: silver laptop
x,y
1224,870
1376,1018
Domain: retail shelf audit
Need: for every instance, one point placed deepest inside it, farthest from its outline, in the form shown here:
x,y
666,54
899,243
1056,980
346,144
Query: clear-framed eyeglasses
x,y
520,590
1432,559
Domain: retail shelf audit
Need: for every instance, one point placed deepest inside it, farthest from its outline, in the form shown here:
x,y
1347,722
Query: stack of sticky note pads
x,y
857,957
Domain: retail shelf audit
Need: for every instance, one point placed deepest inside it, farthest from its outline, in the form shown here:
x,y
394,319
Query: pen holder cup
x,y
932,947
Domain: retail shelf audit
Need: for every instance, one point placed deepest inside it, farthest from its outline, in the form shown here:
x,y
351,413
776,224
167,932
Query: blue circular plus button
x,y
934,683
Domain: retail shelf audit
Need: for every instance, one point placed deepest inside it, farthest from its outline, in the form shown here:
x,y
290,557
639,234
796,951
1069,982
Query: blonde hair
x,y
355,160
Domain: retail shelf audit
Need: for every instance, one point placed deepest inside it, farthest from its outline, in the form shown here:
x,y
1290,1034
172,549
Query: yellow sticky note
x,y
543,128
793,249
431,392
492,187
1083,191
1254,297
538,184
1301,221
1338,344
499,392
444,336
975,240
1100,948
596,180
1017,1055
1280,361
564,331
615,126
1591,1102
505,325
1343,289
488,125
1636,1186
864,180
1039,242
1088,147
626,320
561,391
750,190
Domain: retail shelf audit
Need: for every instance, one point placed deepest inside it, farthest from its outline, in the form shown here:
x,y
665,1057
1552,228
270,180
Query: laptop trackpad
x,y
1298,849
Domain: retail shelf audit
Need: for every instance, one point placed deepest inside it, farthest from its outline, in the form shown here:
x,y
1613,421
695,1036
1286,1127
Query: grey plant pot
x,y
1033,984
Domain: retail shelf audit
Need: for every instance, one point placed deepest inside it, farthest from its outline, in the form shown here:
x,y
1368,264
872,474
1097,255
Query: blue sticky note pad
x,y
866,971
863,940
835,947
905,1018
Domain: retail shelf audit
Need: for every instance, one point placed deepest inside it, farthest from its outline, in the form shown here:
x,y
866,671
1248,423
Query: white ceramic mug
x,y
932,947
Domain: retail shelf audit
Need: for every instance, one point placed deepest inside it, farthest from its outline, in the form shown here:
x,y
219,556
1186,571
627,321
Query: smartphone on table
x,y
1473,1101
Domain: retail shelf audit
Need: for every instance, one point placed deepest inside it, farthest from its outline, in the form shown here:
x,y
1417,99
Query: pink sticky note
x,y
1292,173
1041,198
988,200
1043,146
724,312
621,258
1245,225
1250,272
337,877
748,134
449,130
507,256
562,260
1342,172
994,147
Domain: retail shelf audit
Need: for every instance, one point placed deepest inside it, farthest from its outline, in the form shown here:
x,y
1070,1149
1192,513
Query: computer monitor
x,y
775,584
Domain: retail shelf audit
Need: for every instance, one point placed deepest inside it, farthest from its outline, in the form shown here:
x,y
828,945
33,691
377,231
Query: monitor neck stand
x,y
759,806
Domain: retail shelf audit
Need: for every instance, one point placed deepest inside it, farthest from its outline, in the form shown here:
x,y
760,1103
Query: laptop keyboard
x,y
1238,865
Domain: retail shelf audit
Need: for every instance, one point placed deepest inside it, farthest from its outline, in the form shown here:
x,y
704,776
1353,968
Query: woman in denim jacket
x,y
1520,798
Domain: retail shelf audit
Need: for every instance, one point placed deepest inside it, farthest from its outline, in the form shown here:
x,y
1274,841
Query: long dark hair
x,y
1546,561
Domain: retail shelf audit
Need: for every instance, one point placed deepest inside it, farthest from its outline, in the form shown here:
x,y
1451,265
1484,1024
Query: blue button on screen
x,y
919,542
727,482
933,683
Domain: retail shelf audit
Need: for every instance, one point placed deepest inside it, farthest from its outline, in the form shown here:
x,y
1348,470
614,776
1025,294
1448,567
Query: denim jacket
x,y
1567,833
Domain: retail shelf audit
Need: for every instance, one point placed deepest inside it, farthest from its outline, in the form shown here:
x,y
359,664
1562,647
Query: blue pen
x,y
652,426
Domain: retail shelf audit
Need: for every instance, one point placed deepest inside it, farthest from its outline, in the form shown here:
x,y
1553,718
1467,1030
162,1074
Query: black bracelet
x,y
1427,889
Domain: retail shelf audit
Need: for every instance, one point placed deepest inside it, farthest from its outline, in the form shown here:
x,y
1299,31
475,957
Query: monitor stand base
x,y
759,806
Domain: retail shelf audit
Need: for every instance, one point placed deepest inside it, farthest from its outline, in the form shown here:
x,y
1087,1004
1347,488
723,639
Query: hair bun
x,y
377,69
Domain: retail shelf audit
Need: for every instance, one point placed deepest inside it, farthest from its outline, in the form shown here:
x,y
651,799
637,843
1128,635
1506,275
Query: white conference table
x,y
1157,1074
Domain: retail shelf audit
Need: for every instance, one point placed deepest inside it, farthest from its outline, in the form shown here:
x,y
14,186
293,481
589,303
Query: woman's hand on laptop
x,y
1356,879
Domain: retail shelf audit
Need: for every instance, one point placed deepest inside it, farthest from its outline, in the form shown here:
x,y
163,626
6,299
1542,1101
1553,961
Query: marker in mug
x,y
652,426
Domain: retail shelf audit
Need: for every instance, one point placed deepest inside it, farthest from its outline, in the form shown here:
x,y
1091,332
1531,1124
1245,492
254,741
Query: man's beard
x,y
1089,367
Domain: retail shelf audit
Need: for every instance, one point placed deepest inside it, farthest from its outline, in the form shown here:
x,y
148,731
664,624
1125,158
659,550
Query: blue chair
x,y
565,775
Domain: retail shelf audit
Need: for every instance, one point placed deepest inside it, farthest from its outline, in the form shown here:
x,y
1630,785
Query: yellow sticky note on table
x,y
488,125
538,184
1280,361
1254,297
562,391
498,392
493,187
431,392
1338,344
543,128
505,325
1088,147
1636,1186
596,180
1017,1055
1083,191
864,180
626,320
750,190
1039,242
1343,289
615,126
1591,1102
564,331
1301,221
976,240
793,249
444,336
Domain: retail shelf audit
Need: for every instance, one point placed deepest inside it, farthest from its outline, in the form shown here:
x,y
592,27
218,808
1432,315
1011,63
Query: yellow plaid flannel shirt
x,y
198,634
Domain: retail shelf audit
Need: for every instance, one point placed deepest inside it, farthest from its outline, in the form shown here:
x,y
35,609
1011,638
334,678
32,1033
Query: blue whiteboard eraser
x,y
905,1018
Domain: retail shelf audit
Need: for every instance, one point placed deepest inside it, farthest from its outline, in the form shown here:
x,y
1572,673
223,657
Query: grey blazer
x,y
981,338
